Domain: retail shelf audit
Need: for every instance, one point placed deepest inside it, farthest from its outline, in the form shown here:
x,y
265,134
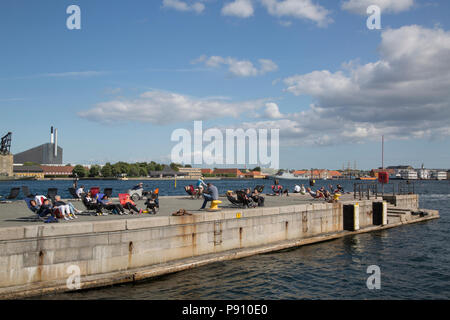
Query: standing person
x,y
80,191
75,181
201,185
210,194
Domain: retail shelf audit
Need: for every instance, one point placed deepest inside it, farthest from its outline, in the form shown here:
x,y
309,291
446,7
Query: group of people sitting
x,y
102,201
330,195
278,189
56,209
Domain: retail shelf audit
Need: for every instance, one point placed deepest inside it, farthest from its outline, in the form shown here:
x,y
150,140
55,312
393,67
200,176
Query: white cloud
x,y
160,107
300,9
391,6
403,95
238,8
239,68
179,5
272,111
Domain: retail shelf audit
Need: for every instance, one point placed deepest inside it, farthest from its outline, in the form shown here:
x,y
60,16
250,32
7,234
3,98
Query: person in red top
x,y
128,204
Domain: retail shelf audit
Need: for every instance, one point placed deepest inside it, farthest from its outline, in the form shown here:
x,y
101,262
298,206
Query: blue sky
x,y
333,85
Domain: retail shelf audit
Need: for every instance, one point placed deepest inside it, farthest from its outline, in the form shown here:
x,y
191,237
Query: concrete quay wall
x,y
38,259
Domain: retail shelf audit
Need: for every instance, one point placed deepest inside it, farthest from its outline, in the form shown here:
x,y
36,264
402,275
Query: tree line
x,y
123,169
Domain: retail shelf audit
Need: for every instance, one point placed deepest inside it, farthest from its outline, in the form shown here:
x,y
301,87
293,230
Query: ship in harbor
x,y
286,176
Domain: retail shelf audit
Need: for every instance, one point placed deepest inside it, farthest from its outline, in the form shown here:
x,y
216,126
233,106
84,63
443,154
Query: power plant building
x,y
47,153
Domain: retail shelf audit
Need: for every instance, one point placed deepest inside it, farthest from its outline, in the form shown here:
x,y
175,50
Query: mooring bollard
x,y
379,213
351,217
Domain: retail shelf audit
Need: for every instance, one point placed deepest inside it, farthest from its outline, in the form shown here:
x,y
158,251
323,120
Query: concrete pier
x,y
37,258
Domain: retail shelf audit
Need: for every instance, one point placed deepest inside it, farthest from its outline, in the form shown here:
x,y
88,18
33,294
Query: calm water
x,y
414,261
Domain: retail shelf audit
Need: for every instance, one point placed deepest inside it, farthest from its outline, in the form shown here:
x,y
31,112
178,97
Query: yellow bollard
x,y
215,205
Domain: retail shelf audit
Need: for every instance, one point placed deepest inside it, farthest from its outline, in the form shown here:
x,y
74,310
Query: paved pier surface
x,y
17,213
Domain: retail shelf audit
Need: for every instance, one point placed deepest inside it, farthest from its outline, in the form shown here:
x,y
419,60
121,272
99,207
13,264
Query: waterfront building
x,y
47,153
438,175
191,173
63,171
34,171
409,174
424,174
232,172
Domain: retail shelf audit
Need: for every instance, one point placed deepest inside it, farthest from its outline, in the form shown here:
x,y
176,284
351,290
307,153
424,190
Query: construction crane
x,y
5,147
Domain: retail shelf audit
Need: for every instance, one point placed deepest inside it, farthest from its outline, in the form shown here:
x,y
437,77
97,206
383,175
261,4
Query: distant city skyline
x,y
118,87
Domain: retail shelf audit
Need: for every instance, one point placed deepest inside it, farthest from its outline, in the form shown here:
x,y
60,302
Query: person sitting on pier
x,y
129,204
152,203
210,194
66,208
116,208
339,189
190,190
42,210
302,190
297,188
139,186
315,194
92,204
257,198
277,189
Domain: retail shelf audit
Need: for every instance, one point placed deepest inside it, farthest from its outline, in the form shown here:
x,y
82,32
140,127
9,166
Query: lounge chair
x,y
108,192
259,188
94,191
73,193
234,201
36,216
51,193
12,194
91,206
245,199
191,191
26,192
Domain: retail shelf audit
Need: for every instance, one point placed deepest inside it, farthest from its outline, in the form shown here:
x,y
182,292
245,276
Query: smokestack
x,y
51,136
56,143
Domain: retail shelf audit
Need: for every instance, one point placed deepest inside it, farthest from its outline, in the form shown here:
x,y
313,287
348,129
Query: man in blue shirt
x,y
210,194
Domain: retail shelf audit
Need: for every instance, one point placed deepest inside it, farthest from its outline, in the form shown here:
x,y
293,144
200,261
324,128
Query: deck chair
x,y
91,206
51,193
26,192
259,188
73,193
108,192
36,217
234,201
12,194
94,191
244,199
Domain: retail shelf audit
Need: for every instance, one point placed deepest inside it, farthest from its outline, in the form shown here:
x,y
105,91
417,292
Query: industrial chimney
x,y
51,135
55,146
